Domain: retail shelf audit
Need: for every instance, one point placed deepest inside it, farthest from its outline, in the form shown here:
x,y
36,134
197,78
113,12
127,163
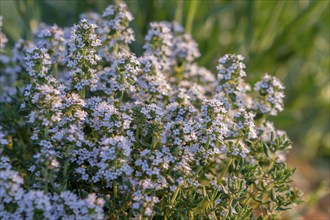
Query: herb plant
x,y
89,130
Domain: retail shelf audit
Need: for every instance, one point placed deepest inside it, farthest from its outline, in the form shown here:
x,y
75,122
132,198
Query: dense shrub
x,y
91,131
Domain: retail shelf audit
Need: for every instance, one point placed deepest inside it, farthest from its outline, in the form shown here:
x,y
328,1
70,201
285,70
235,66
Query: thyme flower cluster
x,y
89,130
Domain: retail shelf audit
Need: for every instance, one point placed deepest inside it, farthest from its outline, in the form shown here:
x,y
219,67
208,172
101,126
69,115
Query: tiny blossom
x,y
13,70
51,206
82,55
196,73
230,67
115,32
185,48
159,41
270,99
231,87
38,62
51,38
121,76
93,17
244,123
152,84
267,130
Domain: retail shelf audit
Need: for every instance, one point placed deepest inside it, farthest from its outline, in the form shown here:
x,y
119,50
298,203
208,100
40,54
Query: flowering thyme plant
x,y
91,131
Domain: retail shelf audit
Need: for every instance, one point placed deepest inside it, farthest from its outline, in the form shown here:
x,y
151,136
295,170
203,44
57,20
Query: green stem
x,y
46,179
121,98
221,176
270,166
178,11
115,49
207,144
84,68
229,206
121,93
261,120
214,215
56,71
226,168
249,195
175,195
115,189
197,172
66,166
137,132
153,142
82,92
179,72
191,15
45,168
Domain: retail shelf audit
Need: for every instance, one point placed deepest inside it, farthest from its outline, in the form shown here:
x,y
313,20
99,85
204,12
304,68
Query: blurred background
x,y
286,38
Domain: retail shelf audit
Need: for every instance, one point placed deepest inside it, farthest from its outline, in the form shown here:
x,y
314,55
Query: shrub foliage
x,y
89,130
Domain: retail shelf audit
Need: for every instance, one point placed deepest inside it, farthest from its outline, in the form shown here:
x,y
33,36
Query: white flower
x,y
271,95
